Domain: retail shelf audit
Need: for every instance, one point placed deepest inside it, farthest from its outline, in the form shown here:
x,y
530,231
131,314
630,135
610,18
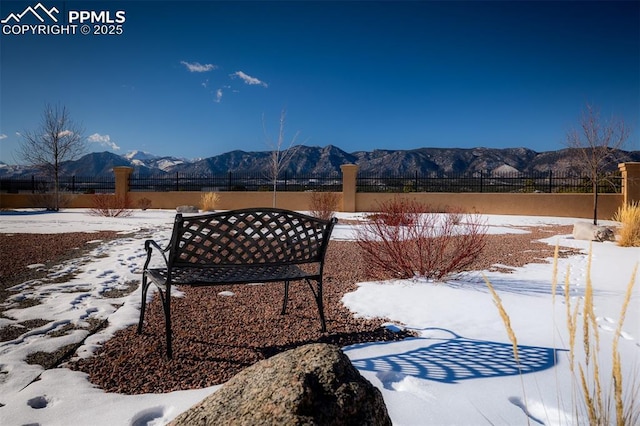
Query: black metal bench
x,y
239,247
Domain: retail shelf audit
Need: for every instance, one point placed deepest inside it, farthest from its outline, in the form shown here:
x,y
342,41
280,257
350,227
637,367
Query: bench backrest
x,y
249,236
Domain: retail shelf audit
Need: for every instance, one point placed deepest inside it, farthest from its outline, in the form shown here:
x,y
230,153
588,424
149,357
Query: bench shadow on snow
x,y
450,358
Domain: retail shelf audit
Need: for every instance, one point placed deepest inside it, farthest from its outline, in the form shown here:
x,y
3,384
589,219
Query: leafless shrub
x,y
323,205
144,203
50,200
111,205
407,242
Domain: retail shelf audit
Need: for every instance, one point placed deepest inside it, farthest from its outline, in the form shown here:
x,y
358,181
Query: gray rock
x,y
590,232
314,384
187,209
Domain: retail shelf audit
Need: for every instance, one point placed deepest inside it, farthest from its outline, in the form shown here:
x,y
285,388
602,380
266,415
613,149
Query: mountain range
x,y
306,160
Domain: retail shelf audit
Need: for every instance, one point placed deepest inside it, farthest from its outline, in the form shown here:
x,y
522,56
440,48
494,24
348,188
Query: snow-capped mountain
x,y
145,159
139,155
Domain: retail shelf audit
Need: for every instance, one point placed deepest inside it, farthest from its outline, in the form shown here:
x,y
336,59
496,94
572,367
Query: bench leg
x,y
143,304
286,298
165,297
317,294
167,320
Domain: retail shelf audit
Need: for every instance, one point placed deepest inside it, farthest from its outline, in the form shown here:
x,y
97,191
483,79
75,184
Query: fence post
x,y
122,179
550,181
349,177
630,182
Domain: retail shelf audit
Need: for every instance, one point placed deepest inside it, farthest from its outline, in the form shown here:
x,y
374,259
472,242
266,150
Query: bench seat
x,y
244,274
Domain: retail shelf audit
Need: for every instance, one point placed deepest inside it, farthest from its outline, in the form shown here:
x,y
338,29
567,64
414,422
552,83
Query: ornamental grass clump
x,y
629,216
405,238
209,201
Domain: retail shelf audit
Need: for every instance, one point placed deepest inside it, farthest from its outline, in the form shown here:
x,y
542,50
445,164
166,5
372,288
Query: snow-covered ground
x,y
460,370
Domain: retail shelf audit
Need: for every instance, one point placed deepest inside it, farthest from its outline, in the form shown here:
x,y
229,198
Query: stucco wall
x,y
539,204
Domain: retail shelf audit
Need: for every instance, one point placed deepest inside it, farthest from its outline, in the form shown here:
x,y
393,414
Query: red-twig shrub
x,y
110,205
323,205
407,242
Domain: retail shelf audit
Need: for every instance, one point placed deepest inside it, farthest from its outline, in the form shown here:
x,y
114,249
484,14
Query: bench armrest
x,y
149,245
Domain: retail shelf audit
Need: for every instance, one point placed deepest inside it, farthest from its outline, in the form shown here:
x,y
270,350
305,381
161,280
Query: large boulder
x,y
590,232
314,384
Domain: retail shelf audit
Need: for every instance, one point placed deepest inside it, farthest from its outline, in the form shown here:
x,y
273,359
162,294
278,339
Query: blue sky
x,y
197,79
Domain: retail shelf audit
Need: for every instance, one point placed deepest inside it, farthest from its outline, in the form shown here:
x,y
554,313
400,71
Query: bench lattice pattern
x,y
249,237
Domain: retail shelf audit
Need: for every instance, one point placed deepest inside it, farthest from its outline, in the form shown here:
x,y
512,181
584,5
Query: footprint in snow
x,y
146,417
626,336
606,328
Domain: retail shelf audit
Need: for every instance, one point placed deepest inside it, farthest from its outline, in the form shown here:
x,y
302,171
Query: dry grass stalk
x,y
572,317
596,404
554,280
505,319
512,335
623,417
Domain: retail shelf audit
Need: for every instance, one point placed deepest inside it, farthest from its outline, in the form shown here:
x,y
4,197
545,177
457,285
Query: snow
x,y
459,370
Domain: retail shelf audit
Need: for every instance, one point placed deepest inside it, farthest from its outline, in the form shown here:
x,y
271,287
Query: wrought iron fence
x,y
366,182
486,182
72,184
233,181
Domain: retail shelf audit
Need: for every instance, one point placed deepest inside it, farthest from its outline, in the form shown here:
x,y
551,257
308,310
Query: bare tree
x,y
595,143
56,140
280,156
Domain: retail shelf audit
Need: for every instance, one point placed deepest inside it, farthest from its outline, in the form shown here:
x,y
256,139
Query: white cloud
x,y
248,79
104,140
3,136
198,67
218,95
